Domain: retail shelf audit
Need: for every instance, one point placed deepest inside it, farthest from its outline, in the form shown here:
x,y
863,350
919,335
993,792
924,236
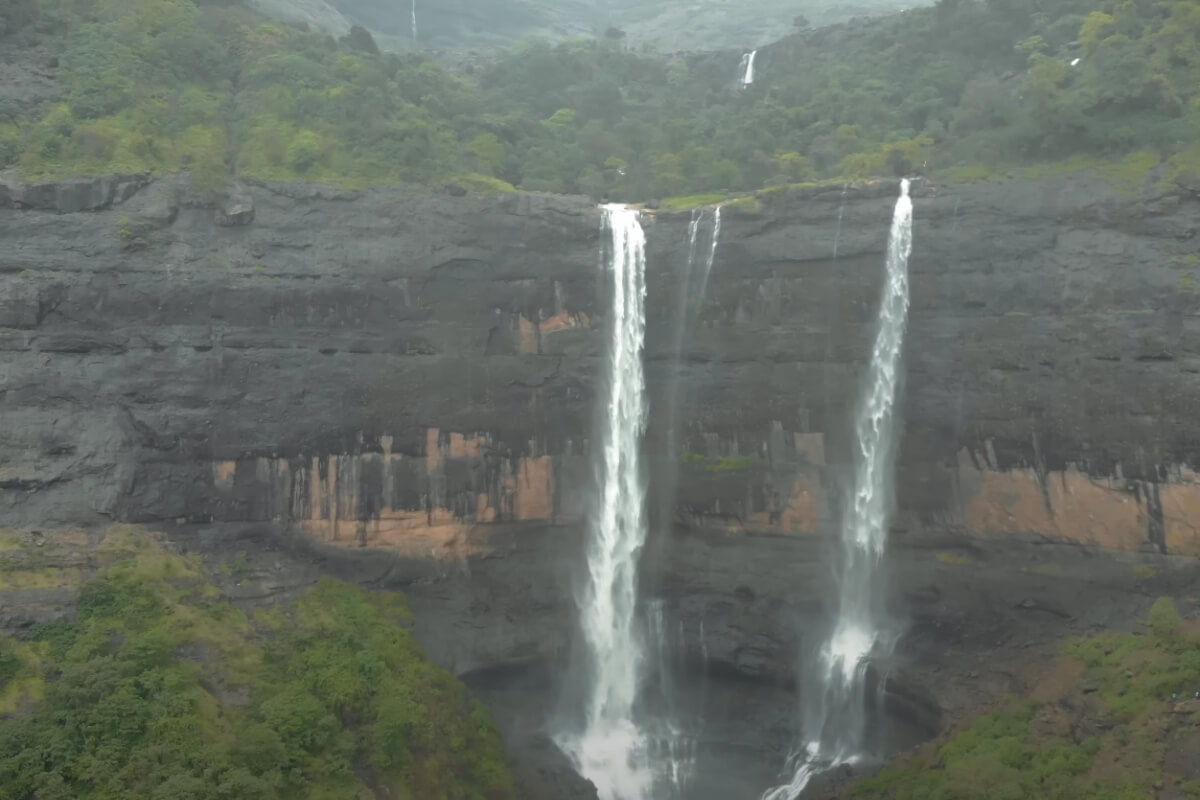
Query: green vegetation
x,y
731,464
722,464
954,559
969,89
692,201
162,690
1026,749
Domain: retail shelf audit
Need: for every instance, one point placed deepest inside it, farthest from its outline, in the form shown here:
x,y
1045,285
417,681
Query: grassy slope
x,y
1106,723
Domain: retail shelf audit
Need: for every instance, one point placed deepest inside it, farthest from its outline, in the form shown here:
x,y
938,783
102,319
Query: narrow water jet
x,y
688,306
832,304
835,717
612,750
747,69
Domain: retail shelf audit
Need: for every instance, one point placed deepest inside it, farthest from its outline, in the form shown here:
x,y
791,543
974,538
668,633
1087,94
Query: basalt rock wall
x,y
404,370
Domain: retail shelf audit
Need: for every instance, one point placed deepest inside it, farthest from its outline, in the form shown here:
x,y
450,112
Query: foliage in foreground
x,y
973,86
162,690
1019,752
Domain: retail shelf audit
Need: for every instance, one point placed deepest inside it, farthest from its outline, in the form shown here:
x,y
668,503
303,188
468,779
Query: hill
x,y
665,25
161,688
975,88
1118,718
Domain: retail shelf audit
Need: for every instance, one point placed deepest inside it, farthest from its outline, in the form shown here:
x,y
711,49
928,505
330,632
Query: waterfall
x,y
674,733
672,740
687,310
414,21
747,68
837,231
835,722
612,750
702,285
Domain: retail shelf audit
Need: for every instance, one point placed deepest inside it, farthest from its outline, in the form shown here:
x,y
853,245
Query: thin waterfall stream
x,y
747,69
687,312
835,718
676,726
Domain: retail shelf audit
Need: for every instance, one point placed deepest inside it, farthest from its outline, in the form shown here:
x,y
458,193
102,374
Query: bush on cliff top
x,y
1012,754
162,690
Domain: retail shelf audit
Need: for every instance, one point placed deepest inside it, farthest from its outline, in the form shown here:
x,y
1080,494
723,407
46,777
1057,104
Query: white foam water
x,y
612,750
747,69
835,720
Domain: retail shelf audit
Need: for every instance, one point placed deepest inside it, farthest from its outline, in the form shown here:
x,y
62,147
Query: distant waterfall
x,y
835,722
612,750
414,21
747,68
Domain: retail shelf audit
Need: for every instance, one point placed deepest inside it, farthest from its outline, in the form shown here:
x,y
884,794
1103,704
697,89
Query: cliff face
x,y
416,374
390,368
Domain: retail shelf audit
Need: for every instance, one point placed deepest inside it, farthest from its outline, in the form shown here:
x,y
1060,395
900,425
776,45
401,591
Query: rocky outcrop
x,y
393,372
67,197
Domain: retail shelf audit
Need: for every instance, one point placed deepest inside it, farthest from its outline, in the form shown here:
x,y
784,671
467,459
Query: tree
x,y
543,171
1164,619
359,38
794,168
305,151
488,153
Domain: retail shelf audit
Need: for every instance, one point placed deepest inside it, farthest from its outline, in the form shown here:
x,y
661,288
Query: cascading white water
x,y
612,750
414,21
835,720
700,287
747,67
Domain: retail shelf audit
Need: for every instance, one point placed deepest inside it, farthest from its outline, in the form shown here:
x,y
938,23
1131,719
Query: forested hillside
x,y
161,690
166,85
668,25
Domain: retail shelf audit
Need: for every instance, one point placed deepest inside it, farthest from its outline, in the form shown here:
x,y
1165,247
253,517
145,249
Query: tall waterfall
x,y
747,67
414,21
835,720
612,750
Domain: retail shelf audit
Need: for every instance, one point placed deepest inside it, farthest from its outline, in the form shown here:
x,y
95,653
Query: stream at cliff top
x,y
835,719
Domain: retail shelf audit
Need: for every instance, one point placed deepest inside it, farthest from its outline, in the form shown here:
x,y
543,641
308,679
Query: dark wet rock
x,y
67,197
235,209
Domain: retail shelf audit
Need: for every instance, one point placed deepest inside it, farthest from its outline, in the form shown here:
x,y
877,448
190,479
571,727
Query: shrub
x,y
338,689
1164,619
